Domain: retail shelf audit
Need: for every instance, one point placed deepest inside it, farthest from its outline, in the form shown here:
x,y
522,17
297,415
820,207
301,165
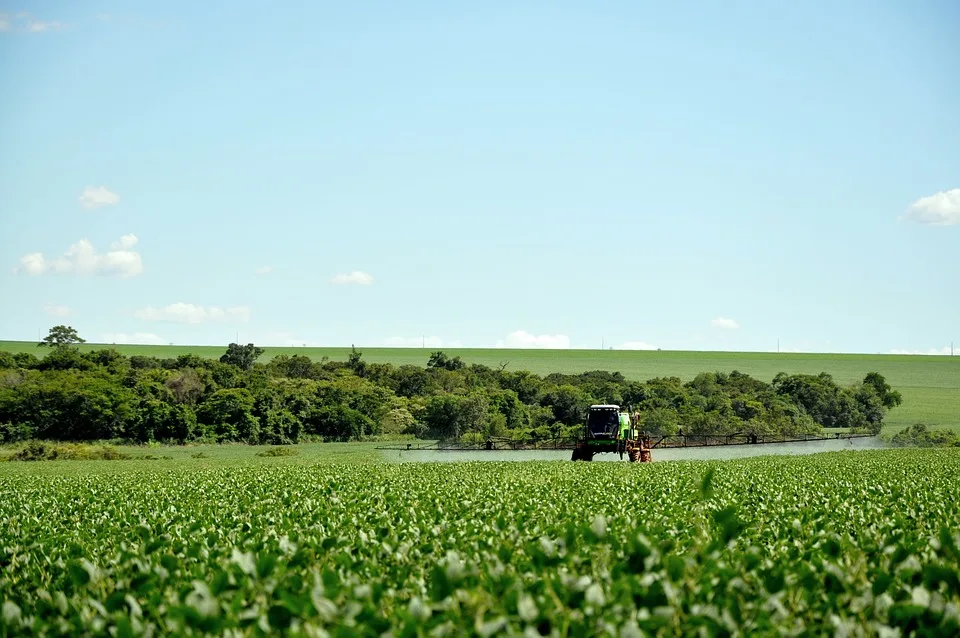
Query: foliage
x,y
101,394
61,337
439,359
851,544
241,356
861,408
278,451
918,435
46,451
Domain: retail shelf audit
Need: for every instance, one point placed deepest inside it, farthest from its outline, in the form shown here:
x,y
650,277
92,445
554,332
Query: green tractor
x,y
609,429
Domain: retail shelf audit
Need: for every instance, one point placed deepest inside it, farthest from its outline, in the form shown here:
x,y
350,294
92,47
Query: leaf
x,y
244,560
81,572
279,616
706,486
265,564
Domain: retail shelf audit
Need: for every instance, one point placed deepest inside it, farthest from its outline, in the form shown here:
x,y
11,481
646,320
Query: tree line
x,y
70,395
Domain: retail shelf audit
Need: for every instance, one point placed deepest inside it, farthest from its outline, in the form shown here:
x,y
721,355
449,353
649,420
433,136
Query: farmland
x,y
848,543
930,385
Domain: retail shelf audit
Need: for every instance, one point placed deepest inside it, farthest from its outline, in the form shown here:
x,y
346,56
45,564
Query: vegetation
x,y
918,435
278,451
930,385
61,337
854,543
103,395
44,451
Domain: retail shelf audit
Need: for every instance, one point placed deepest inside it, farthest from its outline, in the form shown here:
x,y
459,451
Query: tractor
x,y
609,429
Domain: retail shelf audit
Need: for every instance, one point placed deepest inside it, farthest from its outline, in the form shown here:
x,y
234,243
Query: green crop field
x,y
846,543
930,385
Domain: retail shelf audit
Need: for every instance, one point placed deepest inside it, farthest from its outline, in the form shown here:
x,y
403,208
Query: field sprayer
x,y
609,429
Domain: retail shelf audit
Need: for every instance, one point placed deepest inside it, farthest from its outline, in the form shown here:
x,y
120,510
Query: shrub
x,y
44,451
279,451
917,435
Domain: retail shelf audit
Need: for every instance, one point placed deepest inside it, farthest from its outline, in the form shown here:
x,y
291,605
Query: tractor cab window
x,y
603,421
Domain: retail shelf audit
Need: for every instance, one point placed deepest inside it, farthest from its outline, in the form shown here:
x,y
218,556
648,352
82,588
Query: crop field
x,y
930,385
845,543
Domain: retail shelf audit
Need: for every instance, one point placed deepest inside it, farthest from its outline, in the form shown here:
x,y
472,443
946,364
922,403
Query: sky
x,y
686,176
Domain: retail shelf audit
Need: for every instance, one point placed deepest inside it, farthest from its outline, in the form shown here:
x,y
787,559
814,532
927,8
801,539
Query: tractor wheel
x,y
634,455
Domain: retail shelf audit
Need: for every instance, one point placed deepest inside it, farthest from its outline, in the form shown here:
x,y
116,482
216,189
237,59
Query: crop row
x,y
854,543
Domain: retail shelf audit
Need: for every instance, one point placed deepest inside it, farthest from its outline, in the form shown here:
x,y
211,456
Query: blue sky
x,y
684,175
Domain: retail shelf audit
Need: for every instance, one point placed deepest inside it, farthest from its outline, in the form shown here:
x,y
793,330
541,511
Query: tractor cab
x,y
609,430
603,422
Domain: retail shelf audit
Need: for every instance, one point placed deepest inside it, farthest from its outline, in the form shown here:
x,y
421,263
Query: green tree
x,y
296,367
660,421
241,356
442,416
338,423
356,363
569,404
889,397
439,359
410,381
398,420
61,337
161,421
66,358
228,415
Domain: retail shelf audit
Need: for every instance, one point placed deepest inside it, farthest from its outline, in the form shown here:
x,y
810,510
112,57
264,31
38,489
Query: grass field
x,y
930,384
845,543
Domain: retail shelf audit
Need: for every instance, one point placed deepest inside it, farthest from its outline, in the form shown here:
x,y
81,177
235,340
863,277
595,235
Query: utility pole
x,y
778,345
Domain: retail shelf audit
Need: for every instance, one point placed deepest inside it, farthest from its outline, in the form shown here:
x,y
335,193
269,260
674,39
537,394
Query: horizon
x,y
429,349
689,177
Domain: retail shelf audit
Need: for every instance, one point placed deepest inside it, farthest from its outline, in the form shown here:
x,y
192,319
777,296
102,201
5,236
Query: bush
x,y
279,451
14,433
44,451
917,435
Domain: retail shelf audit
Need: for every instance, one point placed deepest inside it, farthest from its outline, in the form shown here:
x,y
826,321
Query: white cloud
x,y
189,313
724,322
355,277
636,345
126,242
264,270
56,311
137,338
82,259
939,209
945,350
23,21
95,197
420,342
39,26
523,339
